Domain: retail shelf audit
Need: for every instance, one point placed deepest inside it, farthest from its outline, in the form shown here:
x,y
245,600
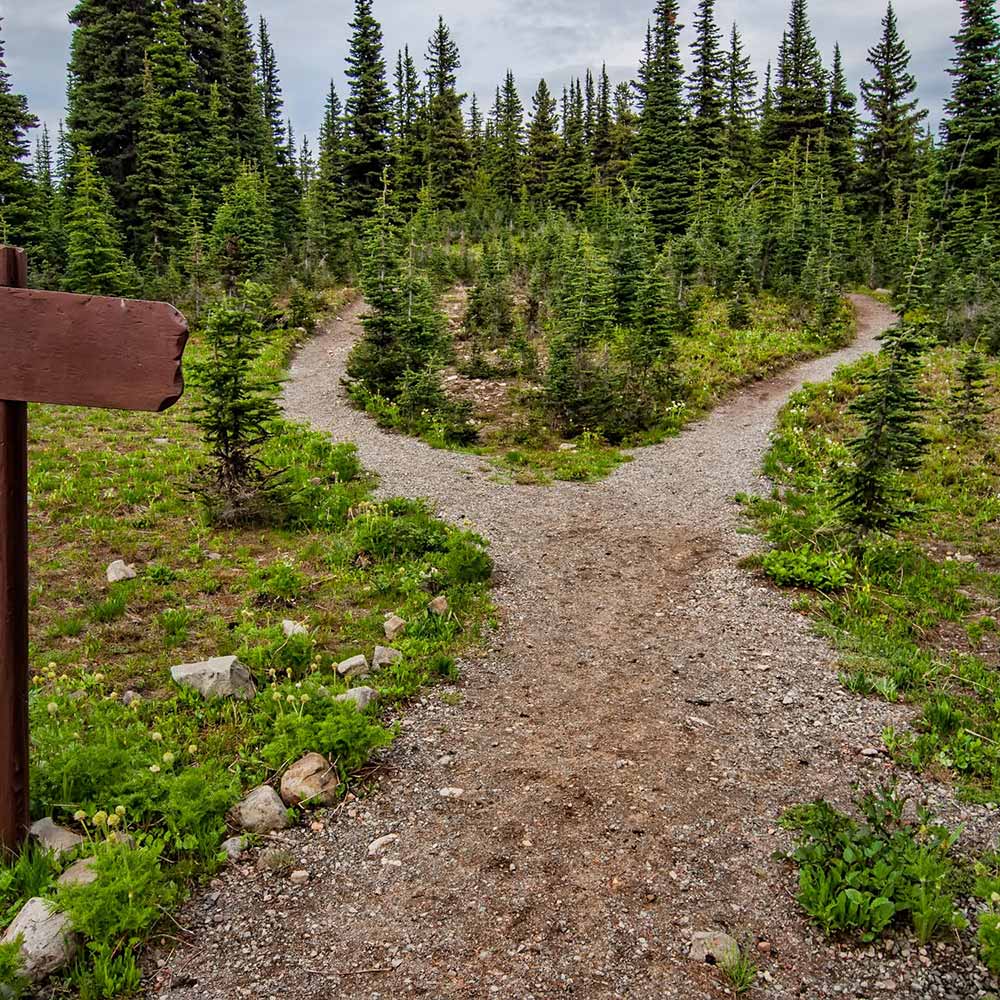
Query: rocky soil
x,y
605,780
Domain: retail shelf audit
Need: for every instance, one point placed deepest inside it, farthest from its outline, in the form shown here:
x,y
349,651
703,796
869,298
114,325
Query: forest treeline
x,y
177,174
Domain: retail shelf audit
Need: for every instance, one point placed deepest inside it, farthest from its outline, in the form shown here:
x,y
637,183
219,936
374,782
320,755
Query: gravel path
x,y
647,710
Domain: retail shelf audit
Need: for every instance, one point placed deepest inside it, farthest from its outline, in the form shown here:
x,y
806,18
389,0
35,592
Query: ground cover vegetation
x,y
613,260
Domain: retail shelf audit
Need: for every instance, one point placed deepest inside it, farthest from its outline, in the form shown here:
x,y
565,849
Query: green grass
x,y
108,485
914,612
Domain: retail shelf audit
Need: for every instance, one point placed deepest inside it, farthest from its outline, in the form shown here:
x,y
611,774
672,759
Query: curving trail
x,y
647,711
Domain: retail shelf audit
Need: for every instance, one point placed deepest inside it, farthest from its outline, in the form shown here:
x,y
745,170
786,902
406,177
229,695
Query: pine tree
x,y
841,125
242,234
329,234
602,143
367,114
571,175
95,261
705,92
447,144
196,264
239,88
44,225
623,135
740,90
15,183
661,158
968,407
800,107
971,127
891,126
589,109
508,175
215,165
409,134
203,26
543,143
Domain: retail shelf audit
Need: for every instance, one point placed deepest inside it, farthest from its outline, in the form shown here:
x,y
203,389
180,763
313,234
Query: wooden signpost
x,y
78,350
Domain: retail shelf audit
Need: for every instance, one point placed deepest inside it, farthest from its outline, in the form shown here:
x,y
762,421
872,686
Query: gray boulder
x,y
385,656
714,947
362,697
48,943
310,781
439,606
262,811
220,677
394,626
119,570
356,666
54,838
82,872
234,847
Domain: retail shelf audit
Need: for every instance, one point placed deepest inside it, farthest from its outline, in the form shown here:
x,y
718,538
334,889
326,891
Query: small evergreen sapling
x,y
968,406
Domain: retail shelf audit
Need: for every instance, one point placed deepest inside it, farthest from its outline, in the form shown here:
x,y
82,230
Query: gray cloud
x,y
555,39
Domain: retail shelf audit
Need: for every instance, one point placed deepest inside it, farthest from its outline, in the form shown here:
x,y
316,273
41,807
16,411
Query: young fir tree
x,y
329,232
242,234
15,183
662,164
705,92
968,406
508,173
215,165
368,114
891,125
543,143
740,96
589,109
106,66
841,125
196,262
447,144
240,92
409,134
971,127
601,147
623,135
44,226
95,261
800,99
475,134
571,176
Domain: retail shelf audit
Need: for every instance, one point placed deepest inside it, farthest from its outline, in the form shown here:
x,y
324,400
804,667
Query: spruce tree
x,y
95,261
705,91
203,27
215,164
543,143
801,95
239,88
623,135
508,168
971,127
841,125
409,134
242,234
968,407
448,150
891,125
15,183
661,163
601,147
329,234
740,93
572,174
367,114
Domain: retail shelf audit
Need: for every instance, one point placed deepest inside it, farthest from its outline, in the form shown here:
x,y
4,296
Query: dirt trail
x,y
646,712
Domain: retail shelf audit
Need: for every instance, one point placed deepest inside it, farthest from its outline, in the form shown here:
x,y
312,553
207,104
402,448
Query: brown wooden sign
x,y
86,350
81,350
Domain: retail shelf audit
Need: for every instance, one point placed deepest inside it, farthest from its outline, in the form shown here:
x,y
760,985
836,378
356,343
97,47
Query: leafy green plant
x,y
13,984
741,971
809,567
279,583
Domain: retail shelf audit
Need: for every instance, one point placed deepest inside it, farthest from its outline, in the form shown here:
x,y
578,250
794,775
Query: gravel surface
x,y
645,712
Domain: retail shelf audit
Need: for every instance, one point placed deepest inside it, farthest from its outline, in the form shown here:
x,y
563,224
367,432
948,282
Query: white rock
x,y
219,677
356,666
234,847
300,877
394,626
291,628
119,570
47,939
376,847
360,696
311,781
261,811
451,793
713,946
55,838
439,606
82,872
385,656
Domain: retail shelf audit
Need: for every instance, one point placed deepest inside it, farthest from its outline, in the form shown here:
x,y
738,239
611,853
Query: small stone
x,y
219,677
55,838
291,628
261,811
764,947
451,793
214,556
310,781
356,666
300,877
82,872
385,656
713,947
234,847
362,697
130,697
789,698
394,626
120,570
439,606
376,847
869,752
47,939
567,446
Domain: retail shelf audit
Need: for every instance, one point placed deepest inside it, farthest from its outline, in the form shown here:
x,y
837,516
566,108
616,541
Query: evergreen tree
x,y
367,114
800,107
107,58
203,27
409,134
602,143
508,169
215,164
242,234
623,135
543,143
740,90
447,144
196,264
571,176
661,157
705,92
841,125
15,183
971,127
968,407
329,235
239,88
891,125
44,225
95,261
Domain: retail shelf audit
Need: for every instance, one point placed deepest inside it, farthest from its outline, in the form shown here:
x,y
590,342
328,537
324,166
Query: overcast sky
x,y
550,38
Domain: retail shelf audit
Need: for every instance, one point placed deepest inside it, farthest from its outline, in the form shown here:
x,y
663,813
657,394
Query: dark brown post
x,y
14,817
